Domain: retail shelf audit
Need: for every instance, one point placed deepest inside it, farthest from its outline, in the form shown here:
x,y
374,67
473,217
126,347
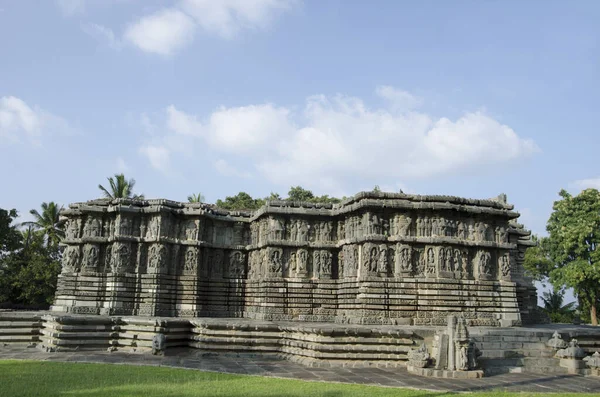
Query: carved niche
x,y
91,256
484,265
275,266
402,225
157,259
70,259
276,228
72,229
403,260
236,268
92,227
383,261
504,264
191,260
430,263
153,229
302,261
120,257
216,265
322,260
124,225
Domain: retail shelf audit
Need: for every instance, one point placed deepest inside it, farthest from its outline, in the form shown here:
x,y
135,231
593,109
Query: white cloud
x,y
244,129
102,34
71,7
170,29
226,169
163,32
182,123
398,99
18,120
227,18
593,183
158,156
340,140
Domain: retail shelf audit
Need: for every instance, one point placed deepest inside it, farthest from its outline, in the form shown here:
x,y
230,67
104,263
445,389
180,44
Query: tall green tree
x,y
10,237
538,261
574,235
196,198
120,187
48,223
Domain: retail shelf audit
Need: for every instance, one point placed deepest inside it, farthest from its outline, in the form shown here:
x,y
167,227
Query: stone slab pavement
x,y
272,366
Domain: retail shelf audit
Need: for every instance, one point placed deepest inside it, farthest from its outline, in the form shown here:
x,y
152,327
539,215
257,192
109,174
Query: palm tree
x,y
553,305
48,223
120,188
196,198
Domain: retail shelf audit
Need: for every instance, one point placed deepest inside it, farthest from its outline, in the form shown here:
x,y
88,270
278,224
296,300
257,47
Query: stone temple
x,y
381,279
376,258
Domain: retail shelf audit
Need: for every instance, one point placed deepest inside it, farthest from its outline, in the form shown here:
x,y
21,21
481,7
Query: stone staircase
x,y
515,351
20,328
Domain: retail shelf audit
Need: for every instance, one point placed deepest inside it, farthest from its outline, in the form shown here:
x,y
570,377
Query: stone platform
x,y
515,349
272,366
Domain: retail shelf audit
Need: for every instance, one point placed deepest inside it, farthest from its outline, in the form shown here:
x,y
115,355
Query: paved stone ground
x,y
272,366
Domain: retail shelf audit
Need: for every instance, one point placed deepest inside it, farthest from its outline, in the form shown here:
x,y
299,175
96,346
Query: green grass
x,y
42,378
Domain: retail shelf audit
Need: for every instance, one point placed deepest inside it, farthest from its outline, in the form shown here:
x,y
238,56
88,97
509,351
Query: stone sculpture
x,y
159,344
556,342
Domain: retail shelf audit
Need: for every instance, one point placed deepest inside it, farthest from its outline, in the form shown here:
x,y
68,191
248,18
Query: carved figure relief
x,y
191,230
72,229
485,264
461,230
403,259
125,225
430,264
277,228
121,257
505,265
382,262
236,264
153,227
92,227
501,235
302,260
70,259
403,224
275,264
91,256
303,229
157,258
191,259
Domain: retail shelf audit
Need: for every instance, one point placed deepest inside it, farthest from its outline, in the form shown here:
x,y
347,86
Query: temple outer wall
x,y
377,258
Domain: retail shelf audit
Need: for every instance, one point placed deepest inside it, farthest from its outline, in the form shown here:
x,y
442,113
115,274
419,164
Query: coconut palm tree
x,y
48,222
120,188
196,198
555,307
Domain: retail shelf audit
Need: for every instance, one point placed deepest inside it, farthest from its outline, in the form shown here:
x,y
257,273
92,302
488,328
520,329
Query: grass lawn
x,y
42,378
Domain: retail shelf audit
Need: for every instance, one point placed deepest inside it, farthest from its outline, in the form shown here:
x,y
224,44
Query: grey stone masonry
x,y
376,258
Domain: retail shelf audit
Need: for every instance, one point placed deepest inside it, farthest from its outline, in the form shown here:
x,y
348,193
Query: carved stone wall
x,y
377,258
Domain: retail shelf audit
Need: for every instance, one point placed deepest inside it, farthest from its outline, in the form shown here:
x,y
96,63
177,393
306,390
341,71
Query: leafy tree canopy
x,y
538,262
120,187
241,201
574,229
10,237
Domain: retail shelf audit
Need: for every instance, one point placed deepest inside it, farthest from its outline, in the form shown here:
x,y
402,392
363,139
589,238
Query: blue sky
x,y
467,98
